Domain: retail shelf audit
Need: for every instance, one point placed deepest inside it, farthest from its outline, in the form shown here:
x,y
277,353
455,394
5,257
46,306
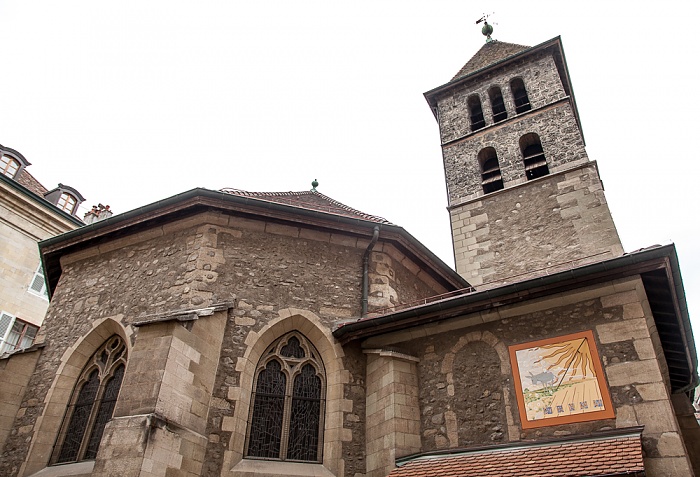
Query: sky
x,y
131,102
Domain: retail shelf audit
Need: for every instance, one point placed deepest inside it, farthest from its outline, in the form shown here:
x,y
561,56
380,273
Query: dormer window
x,y
491,179
533,156
476,114
9,166
66,202
498,106
65,198
522,102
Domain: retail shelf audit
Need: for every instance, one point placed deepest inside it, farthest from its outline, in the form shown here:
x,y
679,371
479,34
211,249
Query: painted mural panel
x,y
560,380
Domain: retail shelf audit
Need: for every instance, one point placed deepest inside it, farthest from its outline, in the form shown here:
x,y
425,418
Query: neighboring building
x,y
242,334
29,213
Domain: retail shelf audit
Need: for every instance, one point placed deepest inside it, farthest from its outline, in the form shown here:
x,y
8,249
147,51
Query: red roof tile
x,y
489,54
27,180
310,200
593,457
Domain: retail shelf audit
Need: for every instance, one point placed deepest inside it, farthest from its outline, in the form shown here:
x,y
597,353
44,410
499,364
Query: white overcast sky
x,y
131,102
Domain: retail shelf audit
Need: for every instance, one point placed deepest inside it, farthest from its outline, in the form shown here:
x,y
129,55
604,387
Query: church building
x,y
247,334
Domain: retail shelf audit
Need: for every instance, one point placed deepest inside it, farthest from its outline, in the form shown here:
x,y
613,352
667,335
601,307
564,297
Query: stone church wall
x,y
465,377
260,268
560,221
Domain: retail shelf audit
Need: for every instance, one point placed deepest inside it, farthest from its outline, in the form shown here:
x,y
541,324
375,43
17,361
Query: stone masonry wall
x,y
261,267
620,317
561,139
393,414
541,79
512,233
15,372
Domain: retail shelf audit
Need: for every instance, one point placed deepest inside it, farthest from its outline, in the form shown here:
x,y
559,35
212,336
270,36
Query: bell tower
x,y
524,198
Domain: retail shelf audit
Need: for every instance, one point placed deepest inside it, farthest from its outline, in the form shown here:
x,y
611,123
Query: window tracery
x,y
286,419
92,404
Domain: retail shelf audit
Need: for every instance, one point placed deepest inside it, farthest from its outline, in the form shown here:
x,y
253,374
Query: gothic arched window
x,y
92,403
288,402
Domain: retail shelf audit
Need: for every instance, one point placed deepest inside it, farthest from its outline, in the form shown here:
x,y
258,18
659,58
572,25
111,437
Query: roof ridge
x,y
270,196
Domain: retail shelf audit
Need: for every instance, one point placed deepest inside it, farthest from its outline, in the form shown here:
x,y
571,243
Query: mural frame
x,y
594,364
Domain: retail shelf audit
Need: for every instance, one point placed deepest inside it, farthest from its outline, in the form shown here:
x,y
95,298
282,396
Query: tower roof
x,y
491,52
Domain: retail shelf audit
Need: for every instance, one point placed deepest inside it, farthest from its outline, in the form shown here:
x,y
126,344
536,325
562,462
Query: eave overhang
x,y
657,266
200,200
558,49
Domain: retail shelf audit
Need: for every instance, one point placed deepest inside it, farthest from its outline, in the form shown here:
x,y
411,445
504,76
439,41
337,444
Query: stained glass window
x,y
286,420
92,403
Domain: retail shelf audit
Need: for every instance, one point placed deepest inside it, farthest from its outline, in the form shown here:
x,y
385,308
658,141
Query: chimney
x,y
97,213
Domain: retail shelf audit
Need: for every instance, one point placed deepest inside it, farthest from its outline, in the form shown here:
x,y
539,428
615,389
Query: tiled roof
x,y
610,456
27,180
490,53
310,200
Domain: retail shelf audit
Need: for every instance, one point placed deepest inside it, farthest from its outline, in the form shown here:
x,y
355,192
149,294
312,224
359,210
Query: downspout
x,y
365,270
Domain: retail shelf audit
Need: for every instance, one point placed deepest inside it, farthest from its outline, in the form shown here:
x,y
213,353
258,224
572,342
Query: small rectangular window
x,y
38,284
15,334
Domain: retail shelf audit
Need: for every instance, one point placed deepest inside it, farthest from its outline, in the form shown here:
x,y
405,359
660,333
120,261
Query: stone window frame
x,y
67,370
291,368
334,434
107,360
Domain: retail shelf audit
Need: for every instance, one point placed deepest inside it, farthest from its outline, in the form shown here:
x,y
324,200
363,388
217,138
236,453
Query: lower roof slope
x,y
612,456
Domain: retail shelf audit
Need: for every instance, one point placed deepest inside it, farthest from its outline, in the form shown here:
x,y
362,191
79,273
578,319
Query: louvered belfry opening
x,y
491,179
498,106
522,102
287,417
476,114
533,156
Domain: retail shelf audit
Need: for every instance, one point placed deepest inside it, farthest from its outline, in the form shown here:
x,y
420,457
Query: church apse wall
x,y
258,269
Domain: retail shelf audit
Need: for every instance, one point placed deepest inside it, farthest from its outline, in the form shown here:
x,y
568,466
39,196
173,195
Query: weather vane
x,y
487,29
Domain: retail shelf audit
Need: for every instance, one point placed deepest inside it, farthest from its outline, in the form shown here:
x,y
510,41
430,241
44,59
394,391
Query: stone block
x,y
622,330
633,372
656,416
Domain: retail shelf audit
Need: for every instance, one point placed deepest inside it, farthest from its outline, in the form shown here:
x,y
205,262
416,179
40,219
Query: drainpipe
x,y
365,270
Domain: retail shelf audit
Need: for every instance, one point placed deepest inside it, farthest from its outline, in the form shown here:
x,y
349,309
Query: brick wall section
x,y
393,415
516,232
619,315
15,371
